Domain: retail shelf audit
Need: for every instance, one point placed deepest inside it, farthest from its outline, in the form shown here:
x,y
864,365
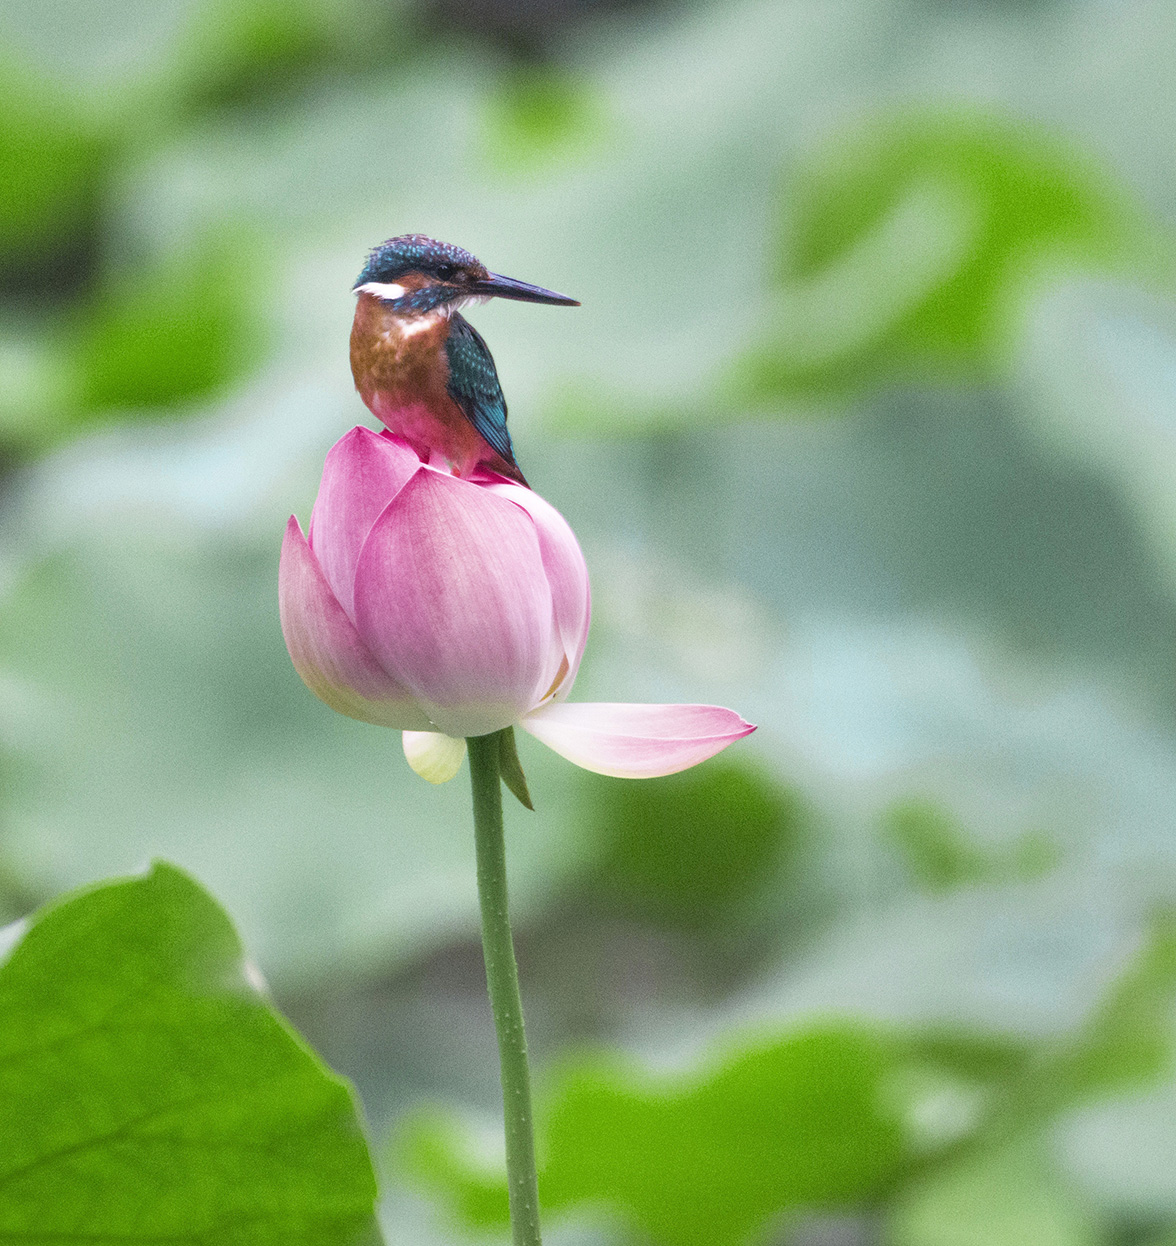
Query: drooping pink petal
x,y
567,573
635,741
326,649
364,471
451,594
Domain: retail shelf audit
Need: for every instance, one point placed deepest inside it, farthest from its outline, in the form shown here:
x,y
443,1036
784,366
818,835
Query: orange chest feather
x,y
403,359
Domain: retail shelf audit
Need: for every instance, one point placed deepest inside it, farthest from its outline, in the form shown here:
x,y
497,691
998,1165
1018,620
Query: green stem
x,y
502,979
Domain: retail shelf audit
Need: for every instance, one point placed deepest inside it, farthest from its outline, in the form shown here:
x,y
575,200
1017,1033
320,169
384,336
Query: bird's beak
x,y
495,286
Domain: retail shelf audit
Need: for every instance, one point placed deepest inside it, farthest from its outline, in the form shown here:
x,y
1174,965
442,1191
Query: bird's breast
x,y
398,354
401,370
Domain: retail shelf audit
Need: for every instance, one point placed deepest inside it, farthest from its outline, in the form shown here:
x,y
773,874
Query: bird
x,y
420,367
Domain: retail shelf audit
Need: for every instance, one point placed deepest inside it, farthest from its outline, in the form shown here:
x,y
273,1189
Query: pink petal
x,y
484,474
450,593
567,573
326,649
635,741
364,471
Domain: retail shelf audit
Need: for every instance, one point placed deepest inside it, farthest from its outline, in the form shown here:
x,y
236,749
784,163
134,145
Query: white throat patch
x,y
410,326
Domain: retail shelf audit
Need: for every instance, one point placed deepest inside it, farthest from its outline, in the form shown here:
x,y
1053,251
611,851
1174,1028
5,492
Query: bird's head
x,y
416,275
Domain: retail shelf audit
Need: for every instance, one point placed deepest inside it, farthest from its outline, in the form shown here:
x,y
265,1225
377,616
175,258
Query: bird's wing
x,y
473,385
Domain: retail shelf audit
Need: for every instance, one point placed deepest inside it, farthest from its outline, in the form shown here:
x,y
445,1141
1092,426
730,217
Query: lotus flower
x,y
449,608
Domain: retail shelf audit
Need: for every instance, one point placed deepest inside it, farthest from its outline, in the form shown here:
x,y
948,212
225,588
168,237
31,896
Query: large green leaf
x,y
692,848
911,245
143,344
1007,1197
149,1093
53,158
833,1115
1128,1040
699,1158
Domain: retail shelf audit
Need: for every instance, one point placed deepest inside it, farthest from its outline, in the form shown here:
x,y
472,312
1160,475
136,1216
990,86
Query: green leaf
x,y
245,51
538,118
829,1117
698,1158
54,157
180,331
933,846
149,1093
1128,1040
939,855
689,848
1125,1044
1007,1197
911,244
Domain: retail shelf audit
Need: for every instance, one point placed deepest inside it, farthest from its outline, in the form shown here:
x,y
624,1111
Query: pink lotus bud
x,y
433,604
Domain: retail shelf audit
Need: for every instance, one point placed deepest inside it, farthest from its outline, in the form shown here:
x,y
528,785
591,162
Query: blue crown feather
x,y
412,253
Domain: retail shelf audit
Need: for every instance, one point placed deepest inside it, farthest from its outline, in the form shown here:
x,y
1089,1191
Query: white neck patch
x,y
382,289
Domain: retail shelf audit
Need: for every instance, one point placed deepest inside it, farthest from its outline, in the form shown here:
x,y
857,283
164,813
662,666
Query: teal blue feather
x,y
473,385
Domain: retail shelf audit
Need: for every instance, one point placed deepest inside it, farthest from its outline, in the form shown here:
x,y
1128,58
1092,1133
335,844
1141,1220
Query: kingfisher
x,y
420,367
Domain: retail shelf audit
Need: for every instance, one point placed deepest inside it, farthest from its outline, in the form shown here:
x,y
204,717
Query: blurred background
x,y
868,428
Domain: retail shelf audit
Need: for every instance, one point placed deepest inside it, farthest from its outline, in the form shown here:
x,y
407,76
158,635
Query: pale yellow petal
x,y
434,756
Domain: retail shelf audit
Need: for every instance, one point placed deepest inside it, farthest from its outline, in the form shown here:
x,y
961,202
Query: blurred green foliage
x,y
148,340
54,154
698,1159
179,331
831,1116
933,846
539,118
16,896
1009,1196
252,51
826,1117
939,855
692,848
909,247
1128,1041
123,336
148,697
149,1093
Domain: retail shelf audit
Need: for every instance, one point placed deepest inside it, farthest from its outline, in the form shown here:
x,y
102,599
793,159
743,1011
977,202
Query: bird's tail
x,y
509,469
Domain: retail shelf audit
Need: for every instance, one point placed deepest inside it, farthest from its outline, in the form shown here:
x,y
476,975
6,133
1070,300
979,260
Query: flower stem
x,y
502,980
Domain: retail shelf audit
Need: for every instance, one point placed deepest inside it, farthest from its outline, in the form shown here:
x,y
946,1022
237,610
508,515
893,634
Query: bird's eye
x,y
446,271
